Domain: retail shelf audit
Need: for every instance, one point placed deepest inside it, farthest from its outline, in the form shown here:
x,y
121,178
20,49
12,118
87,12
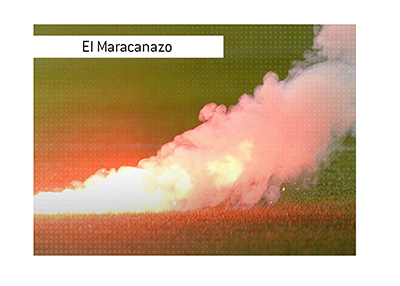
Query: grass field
x,y
310,218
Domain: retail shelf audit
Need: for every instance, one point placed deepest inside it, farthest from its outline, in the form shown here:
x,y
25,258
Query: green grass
x,y
315,215
335,180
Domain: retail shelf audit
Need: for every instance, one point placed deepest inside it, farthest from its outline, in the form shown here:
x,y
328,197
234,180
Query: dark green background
x,y
104,113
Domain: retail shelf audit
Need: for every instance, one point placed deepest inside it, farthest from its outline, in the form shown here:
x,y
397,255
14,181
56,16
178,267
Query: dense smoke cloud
x,y
238,154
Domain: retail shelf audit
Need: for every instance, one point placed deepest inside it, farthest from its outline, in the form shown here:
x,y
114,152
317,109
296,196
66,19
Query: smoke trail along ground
x,y
238,154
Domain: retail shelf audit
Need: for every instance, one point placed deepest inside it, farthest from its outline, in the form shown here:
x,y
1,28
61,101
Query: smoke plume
x,y
239,154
